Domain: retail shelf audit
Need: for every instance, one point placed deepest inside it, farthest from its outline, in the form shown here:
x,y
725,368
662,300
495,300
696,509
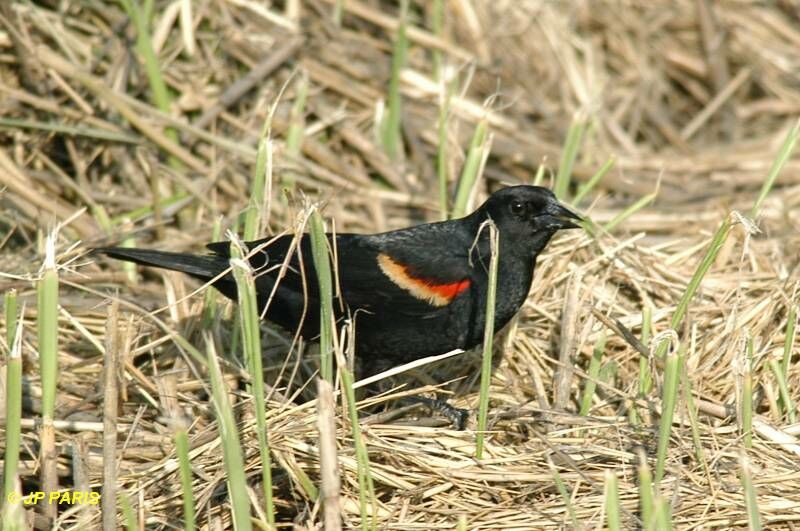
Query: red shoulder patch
x,y
425,289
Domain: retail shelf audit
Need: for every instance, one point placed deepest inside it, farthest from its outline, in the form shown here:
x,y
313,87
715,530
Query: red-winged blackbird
x,y
414,292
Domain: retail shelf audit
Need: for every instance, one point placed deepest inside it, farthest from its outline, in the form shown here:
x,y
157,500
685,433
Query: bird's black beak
x,y
558,216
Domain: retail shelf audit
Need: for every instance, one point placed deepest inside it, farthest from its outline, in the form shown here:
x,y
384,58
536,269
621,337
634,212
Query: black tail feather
x,y
201,267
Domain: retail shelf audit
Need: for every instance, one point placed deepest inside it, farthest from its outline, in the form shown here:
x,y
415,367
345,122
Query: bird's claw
x,y
458,417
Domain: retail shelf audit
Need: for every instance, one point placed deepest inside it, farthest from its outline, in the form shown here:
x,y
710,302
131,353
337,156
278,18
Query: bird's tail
x,y
201,267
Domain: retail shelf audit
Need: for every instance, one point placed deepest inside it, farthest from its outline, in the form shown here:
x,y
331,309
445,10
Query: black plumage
x,y
413,292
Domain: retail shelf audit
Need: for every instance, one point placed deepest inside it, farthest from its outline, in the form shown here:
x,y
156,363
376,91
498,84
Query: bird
x,y
412,293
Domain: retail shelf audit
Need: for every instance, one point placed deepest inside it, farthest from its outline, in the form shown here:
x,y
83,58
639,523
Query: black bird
x,y
414,292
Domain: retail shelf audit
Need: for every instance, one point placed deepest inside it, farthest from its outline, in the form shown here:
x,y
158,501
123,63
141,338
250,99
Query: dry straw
x,y
702,109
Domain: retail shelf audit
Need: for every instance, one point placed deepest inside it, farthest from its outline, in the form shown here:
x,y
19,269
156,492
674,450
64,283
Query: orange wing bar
x,y
422,288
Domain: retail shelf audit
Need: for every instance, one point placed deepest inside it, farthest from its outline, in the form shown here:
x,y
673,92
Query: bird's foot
x,y
458,417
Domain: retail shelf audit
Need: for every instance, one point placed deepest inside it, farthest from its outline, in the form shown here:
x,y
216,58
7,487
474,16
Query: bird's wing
x,y
423,271
414,272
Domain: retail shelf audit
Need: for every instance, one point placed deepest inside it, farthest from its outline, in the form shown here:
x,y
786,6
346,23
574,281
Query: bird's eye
x,y
517,208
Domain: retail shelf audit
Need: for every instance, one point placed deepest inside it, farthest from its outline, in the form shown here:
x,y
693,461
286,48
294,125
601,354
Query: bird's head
x,y
528,216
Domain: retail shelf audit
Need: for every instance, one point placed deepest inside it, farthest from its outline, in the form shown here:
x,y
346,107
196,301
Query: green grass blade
x,y
306,485
612,502
694,283
13,396
391,126
631,210
338,7
142,212
211,297
746,400
129,267
587,188
783,387
562,490
148,9
593,374
100,214
669,401
488,338
13,515
441,150
784,153
366,487
297,123
296,131
322,265
569,154
645,377
10,312
47,328
750,497
471,170
437,26
249,319
789,339
128,515
144,44
195,354
255,206
694,421
722,233
231,449
663,514
646,502
608,372
185,471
